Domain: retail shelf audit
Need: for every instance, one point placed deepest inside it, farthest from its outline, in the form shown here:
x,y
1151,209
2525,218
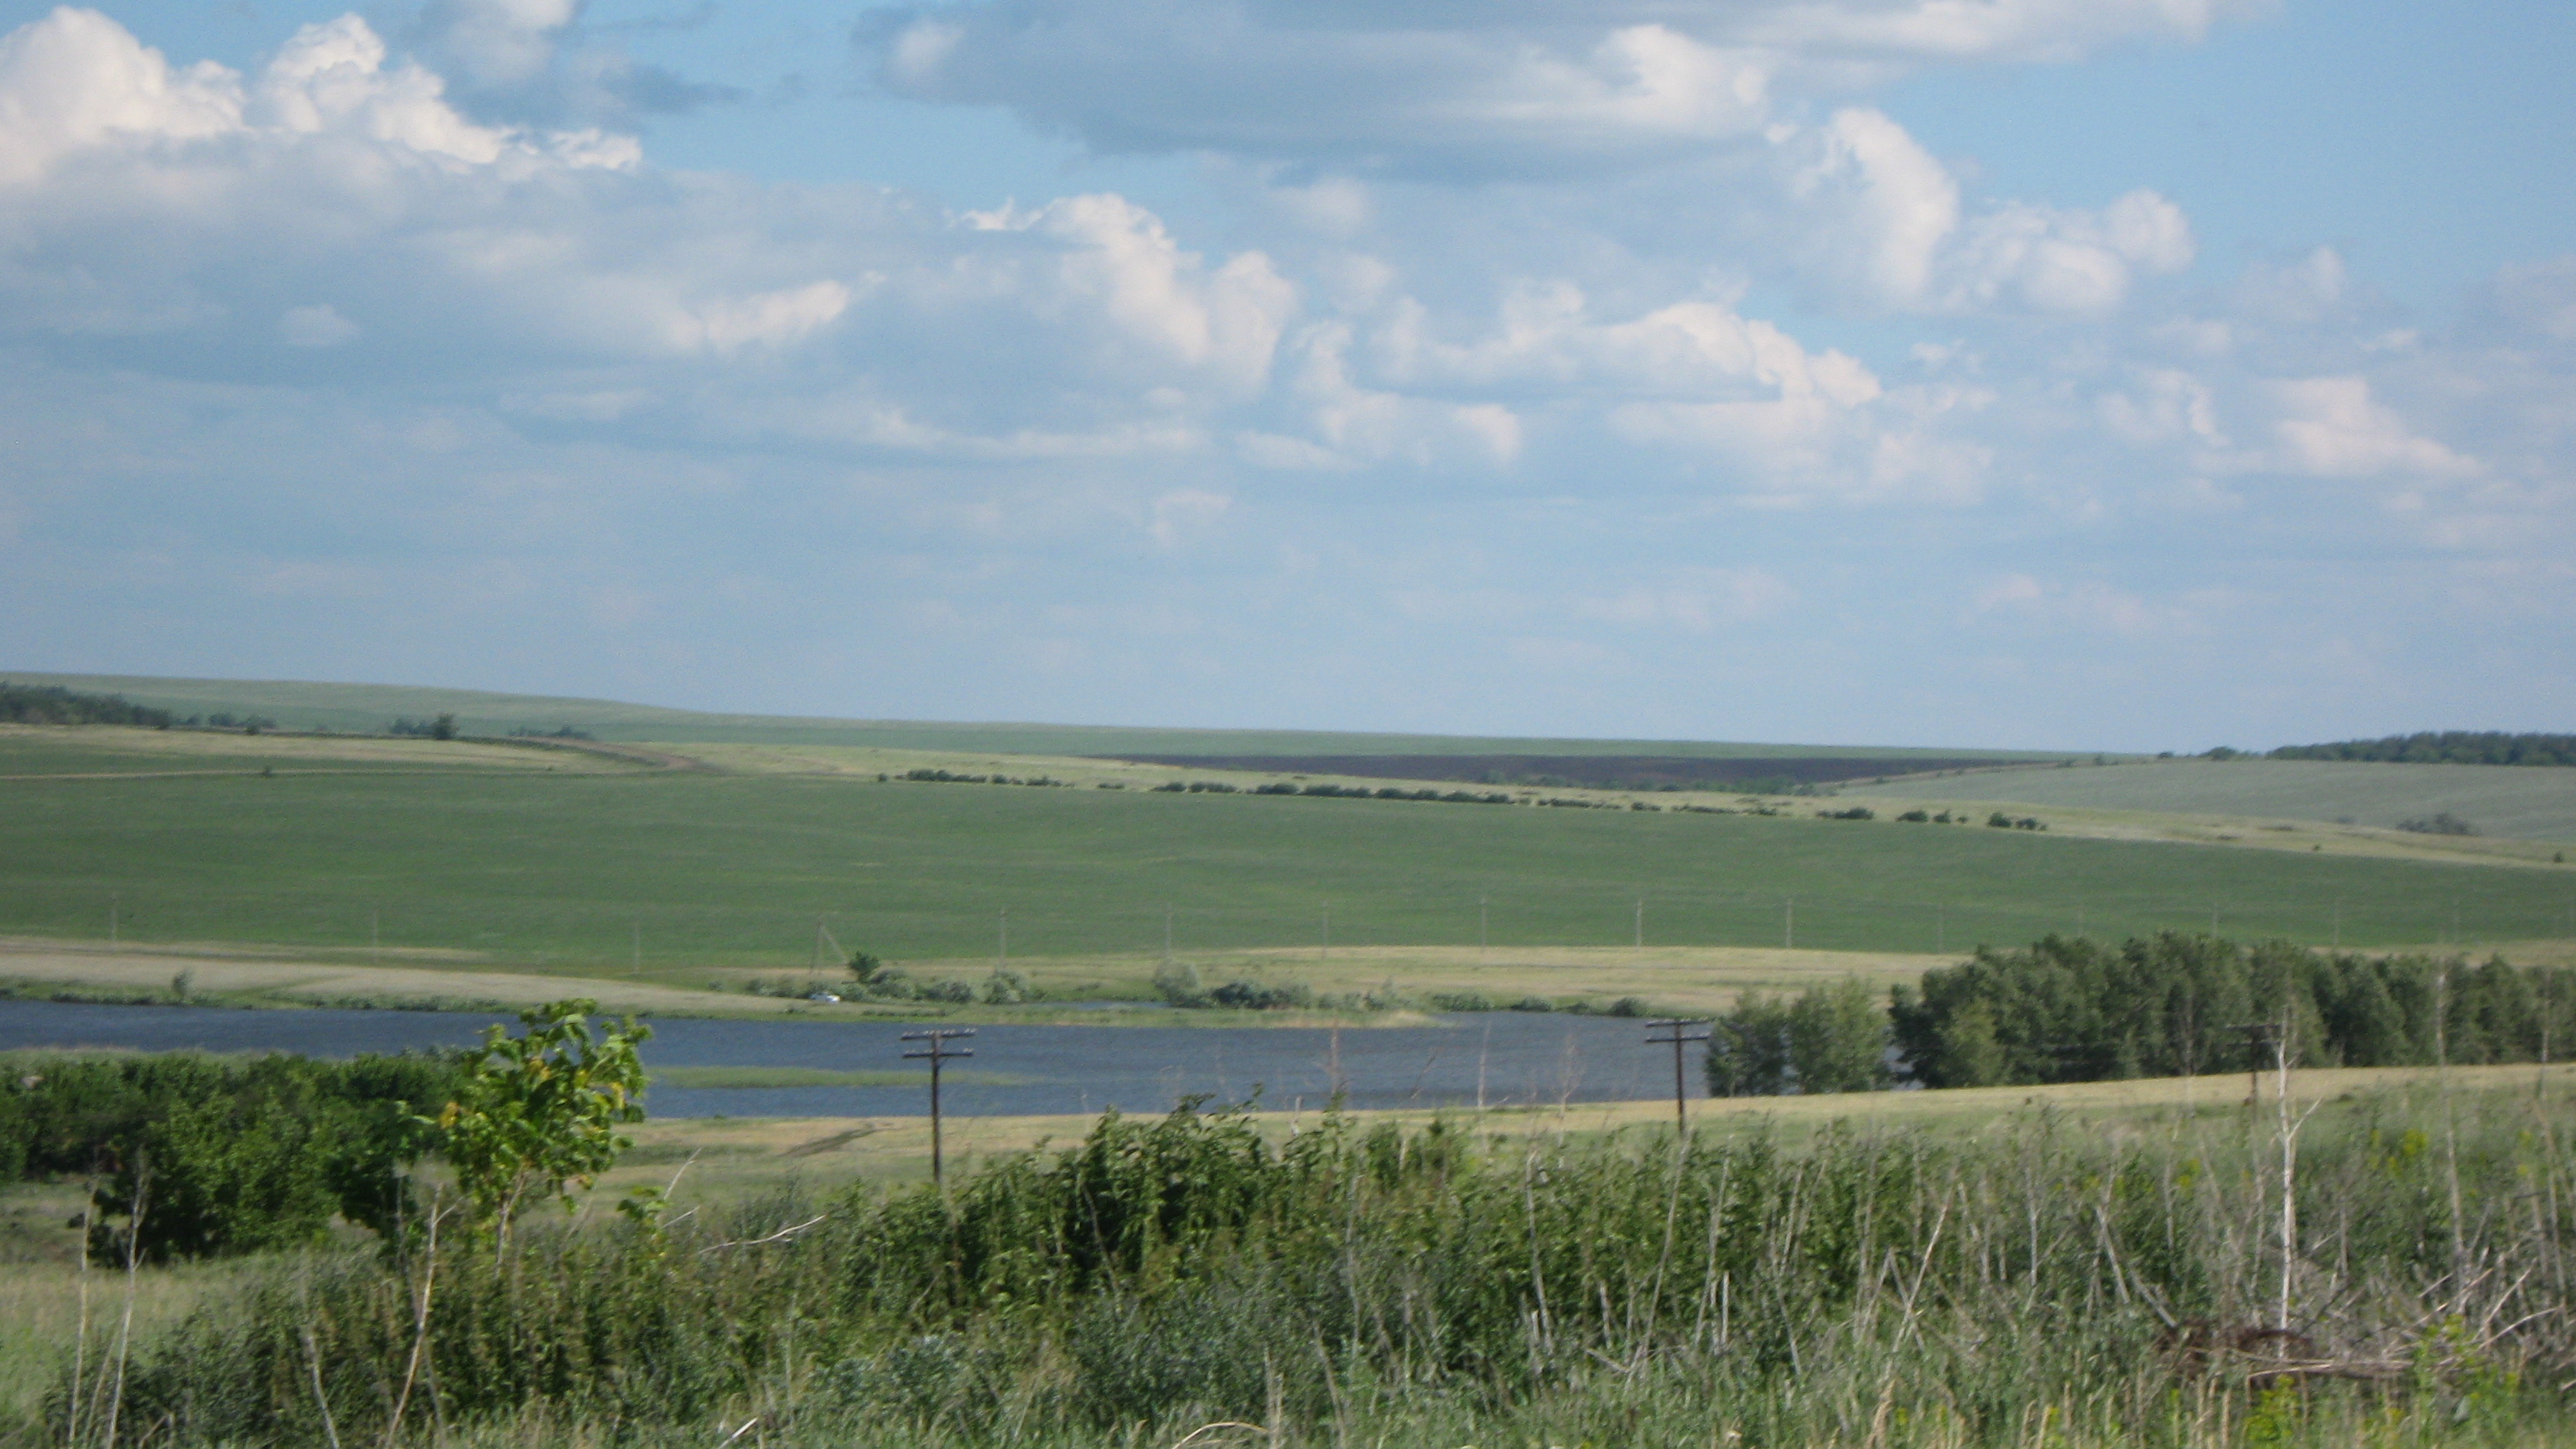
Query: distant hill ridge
x,y
2445,747
369,708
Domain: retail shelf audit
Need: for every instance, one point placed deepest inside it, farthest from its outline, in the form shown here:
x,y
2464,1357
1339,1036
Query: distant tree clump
x,y
443,727
53,704
2445,747
194,1156
2078,1010
2441,822
1828,1039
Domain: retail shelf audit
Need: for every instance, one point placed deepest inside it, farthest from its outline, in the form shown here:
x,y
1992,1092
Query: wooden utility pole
x,y
1676,1032
935,1051
2260,1037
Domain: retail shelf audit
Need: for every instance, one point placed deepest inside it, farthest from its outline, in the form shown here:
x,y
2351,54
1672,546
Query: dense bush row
x,y
438,727
930,776
2041,1285
2445,747
2074,1009
1327,791
53,704
223,1155
2070,1009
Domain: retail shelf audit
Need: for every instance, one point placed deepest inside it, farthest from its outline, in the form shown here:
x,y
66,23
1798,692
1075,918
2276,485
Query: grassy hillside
x,y
2524,802
368,706
558,870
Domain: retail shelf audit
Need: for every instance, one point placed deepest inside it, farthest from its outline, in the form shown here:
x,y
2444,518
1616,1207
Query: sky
x,y
2085,374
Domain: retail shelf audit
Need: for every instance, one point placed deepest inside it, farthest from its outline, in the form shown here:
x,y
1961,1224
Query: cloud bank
x,y
1501,357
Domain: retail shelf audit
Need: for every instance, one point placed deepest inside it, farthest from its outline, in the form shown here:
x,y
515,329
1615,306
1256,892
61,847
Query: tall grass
x,y
2046,1283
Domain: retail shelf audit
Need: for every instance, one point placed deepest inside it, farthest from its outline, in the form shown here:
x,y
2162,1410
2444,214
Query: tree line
x,y
192,1156
2445,747
53,704
2073,1009
220,1156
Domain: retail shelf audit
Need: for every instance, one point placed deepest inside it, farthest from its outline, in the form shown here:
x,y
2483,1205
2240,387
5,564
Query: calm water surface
x,y
1504,1058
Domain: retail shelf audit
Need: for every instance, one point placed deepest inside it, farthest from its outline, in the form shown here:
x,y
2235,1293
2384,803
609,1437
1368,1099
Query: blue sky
x,y
2125,374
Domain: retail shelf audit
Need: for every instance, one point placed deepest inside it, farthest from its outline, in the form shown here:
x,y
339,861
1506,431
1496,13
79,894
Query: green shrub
x,y
1349,1285
1177,982
222,1156
1263,996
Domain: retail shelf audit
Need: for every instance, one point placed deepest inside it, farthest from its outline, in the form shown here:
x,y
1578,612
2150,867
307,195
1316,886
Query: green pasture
x,y
2520,802
570,872
362,707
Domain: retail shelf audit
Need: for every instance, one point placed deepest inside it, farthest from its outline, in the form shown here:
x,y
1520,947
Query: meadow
x,y
2073,1266
588,869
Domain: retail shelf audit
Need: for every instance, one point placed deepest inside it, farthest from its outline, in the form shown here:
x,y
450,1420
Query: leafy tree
x,y
1970,1056
1178,983
1838,1039
1748,1049
539,1113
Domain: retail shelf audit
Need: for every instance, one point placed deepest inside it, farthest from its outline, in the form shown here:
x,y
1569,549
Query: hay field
x,y
1700,979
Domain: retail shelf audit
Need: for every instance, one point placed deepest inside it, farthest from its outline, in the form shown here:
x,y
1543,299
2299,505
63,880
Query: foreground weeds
x,y
2046,1284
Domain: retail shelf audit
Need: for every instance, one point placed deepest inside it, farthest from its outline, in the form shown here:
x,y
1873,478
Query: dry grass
x,y
1681,978
46,1295
1694,979
739,1157
257,975
198,750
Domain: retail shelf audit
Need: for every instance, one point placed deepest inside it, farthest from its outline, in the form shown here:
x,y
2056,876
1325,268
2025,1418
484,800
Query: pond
x,y
1496,1058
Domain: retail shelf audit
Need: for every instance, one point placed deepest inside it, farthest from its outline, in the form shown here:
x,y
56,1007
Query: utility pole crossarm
x,y
1676,1032
935,1049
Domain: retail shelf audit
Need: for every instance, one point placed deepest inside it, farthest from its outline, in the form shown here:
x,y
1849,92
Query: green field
x,y
2520,802
567,871
364,707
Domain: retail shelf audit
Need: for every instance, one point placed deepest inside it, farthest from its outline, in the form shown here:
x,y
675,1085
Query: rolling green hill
x,y
2517,802
364,707
564,871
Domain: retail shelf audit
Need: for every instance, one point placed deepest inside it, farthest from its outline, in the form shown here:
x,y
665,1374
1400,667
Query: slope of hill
x,y
595,870
363,707
2525,802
